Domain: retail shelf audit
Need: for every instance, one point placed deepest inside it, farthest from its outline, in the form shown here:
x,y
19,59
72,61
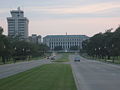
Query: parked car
x,y
77,59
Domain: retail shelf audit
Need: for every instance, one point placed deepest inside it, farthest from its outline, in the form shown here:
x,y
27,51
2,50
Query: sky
x,y
56,17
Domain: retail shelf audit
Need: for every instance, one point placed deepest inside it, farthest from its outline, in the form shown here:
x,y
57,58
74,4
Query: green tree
x,y
57,48
74,48
103,45
5,48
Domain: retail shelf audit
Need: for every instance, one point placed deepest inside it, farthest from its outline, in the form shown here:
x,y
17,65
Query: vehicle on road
x,y
52,58
77,59
48,57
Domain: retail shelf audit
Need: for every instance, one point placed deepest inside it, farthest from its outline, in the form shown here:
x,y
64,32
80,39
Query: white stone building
x,y
65,41
17,24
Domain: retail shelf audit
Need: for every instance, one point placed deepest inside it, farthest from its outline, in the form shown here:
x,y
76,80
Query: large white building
x,y
65,41
17,24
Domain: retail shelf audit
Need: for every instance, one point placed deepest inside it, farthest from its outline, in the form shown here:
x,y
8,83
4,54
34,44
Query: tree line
x,y
57,48
103,45
15,49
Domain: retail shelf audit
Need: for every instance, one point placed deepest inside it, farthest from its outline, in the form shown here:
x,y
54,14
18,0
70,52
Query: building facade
x,y
17,24
35,39
64,41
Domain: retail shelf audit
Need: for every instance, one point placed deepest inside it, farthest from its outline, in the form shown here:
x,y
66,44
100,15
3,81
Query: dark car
x,y
77,59
52,58
48,57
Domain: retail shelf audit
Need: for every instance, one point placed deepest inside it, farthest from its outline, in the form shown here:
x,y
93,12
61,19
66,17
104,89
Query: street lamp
x,y
28,53
99,48
112,45
15,55
95,49
4,47
15,48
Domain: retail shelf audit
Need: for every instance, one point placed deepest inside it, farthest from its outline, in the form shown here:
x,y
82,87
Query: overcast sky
x,y
84,17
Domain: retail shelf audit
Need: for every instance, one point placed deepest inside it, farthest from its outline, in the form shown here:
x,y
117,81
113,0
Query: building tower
x,y
17,24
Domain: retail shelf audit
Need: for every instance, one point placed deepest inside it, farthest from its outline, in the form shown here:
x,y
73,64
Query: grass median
x,y
64,58
46,77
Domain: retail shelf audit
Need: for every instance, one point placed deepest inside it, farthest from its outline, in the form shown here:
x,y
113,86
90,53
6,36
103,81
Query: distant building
x,y
35,39
65,41
17,24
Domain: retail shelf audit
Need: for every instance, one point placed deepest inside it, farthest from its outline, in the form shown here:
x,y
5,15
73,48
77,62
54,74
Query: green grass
x,y
45,77
64,58
37,58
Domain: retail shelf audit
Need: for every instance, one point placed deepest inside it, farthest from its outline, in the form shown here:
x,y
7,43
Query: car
x,y
77,59
48,57
52,58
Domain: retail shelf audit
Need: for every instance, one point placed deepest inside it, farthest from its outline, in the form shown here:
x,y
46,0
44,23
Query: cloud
x,y
4,10
87,26
73,9
94,8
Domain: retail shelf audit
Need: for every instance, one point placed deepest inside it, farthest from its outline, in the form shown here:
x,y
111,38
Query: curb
x,y
75,79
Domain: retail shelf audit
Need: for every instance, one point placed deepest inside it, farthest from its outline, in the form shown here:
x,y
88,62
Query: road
x,y
95,75
11,69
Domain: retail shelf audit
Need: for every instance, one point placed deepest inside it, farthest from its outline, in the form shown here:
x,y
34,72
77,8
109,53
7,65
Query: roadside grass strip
x,y
45,77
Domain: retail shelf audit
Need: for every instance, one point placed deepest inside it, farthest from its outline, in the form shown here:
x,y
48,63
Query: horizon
x,y
76,17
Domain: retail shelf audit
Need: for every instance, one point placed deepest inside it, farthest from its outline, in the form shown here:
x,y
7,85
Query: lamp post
x,y
4,46
23,51
113,52
28,53
3,57
99,49
99,52
15,55
95,52
15,48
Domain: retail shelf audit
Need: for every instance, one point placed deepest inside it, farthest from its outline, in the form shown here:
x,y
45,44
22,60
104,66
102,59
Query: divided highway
x,y
88,74
95,75
11,69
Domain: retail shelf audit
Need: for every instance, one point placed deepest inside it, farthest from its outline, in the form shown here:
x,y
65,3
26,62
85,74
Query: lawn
x,y
45,77
64,58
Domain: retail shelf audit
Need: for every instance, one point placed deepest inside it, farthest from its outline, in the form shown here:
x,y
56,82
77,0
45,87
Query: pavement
x,y
88,74
95,75
11,69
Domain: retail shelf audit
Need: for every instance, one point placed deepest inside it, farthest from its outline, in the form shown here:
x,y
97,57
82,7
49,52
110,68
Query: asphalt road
x,y
95,75
11,69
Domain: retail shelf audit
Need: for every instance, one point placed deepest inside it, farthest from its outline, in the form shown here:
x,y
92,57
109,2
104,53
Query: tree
x,y
103,45
43,48
5,49
1,30
74,48
57,48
